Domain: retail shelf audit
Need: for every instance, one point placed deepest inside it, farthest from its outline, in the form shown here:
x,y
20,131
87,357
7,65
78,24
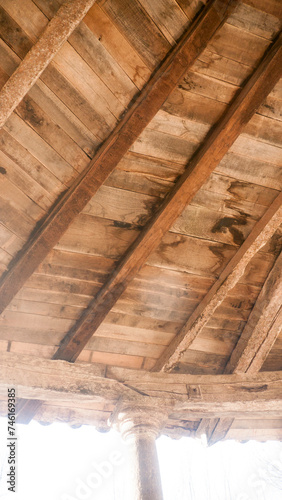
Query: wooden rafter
x,y
261,330
50,380
200,167
69,15
190,46
230,276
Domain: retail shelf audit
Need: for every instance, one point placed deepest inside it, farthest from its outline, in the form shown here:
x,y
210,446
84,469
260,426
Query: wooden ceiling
x,y
141,174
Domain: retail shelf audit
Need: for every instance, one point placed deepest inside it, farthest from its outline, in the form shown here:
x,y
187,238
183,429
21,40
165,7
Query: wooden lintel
x,y
230,276
130,127
69,15
49,380
200,167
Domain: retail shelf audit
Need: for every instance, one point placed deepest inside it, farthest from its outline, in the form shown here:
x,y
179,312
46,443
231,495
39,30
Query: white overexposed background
x,y
57,462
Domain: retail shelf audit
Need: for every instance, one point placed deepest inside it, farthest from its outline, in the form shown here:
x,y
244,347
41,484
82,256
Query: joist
x,y
230,276
197,172
49,380
69,15
129,128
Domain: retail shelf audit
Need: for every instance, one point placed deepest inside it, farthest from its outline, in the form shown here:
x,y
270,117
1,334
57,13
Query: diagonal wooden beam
x,y
69,15
149,101
261,330
230,276
200,167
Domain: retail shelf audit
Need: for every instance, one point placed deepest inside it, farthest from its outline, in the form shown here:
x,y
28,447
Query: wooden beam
x,y
130,127
230,276
69,15
200,167
55,381
262,328
214,429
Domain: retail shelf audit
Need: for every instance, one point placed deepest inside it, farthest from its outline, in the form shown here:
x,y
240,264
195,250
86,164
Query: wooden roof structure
x,y
141,211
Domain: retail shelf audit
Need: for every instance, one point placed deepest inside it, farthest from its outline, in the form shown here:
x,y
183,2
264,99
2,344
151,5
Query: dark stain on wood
x,y
13,34
3,170
29,114
123,225
275,243
85,391
236,188
271,108
229,224
260,388
218,251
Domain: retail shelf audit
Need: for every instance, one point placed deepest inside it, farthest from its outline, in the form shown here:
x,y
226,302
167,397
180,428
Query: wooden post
x,y
139,427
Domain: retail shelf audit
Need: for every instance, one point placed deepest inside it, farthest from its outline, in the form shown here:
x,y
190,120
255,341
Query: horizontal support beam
x,y
50,380
69,15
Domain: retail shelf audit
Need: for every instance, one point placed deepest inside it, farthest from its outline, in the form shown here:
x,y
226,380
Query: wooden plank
x,y
239,45
40,55
42,151
167,15
94,53
29,17
73,67
203,163
29,164
262,328
273,7
135,120
117,45
51,133
13,34
263,24
103,64
228,279
141,32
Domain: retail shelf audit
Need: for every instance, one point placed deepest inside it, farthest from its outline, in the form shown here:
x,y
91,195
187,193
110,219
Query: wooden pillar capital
x,y
138,421
139,426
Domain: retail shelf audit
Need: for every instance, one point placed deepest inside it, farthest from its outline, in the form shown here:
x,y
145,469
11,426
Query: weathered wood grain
x,y
57,380
140,113
207,157
39,56
117,45
141,32
261,233
262,328
254,344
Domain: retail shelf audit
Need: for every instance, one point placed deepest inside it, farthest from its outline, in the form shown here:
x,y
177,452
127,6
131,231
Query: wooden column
x,y
139,427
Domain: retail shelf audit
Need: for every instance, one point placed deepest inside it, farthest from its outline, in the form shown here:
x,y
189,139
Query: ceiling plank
x,y
69,15
49,380
230,276
200,167
149,101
